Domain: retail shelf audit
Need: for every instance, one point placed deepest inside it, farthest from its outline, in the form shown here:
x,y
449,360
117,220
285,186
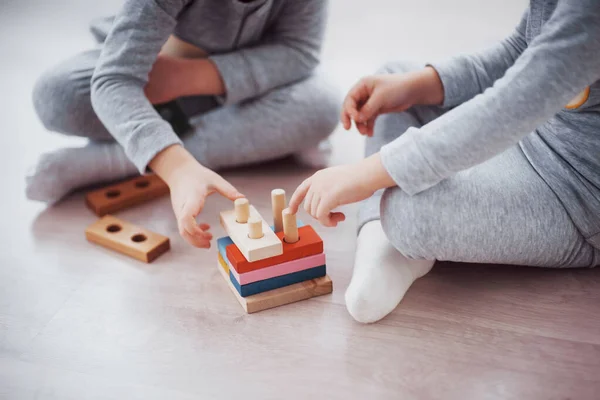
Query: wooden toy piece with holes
x,y
127,238
266,268
126,194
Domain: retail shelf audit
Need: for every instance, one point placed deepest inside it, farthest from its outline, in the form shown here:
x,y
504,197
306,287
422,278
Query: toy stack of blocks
x,y
269,267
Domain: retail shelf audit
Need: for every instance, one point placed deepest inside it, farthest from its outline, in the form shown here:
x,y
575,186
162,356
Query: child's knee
x,y
55,97
321,102
403,224
43,102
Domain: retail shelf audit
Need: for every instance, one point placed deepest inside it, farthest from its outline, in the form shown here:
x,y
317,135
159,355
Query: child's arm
x,y
288,53
468,75
557,65
130,50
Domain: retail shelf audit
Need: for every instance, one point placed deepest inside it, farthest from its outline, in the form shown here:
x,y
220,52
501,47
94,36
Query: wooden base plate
x,y
282,296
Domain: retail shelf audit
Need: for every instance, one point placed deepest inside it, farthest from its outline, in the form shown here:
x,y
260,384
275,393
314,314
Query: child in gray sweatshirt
x,y
234,78
491,157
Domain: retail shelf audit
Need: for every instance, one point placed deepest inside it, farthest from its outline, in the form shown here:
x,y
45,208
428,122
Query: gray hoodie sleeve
x,y
289,52
465,76
559,63
138,33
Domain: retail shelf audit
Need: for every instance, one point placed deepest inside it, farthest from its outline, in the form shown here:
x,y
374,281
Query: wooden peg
x,y
278,204
290,227
255,228
242,210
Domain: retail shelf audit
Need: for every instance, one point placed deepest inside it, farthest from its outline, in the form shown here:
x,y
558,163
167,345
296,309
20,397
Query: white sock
x,y
62,171
381,275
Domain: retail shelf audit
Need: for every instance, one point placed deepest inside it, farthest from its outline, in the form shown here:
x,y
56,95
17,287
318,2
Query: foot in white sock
x,y
62,171
381,275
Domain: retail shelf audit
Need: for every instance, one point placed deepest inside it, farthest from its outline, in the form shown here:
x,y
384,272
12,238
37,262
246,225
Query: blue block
x,y
278,281
222,244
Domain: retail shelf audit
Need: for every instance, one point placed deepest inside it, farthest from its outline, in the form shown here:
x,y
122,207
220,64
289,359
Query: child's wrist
x,y
203,78
171,162
375,175
429,87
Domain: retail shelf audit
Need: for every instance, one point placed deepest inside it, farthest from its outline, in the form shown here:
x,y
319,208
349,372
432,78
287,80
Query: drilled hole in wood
x,y
113,228
142,184
138,238
293,242
111,194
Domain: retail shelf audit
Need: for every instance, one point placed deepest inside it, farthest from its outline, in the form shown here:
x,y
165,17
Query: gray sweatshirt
x,y
516,92
256,46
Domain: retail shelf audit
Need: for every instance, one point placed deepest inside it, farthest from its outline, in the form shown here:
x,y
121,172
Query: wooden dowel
x,y
278,204
255,228
290,227
242,210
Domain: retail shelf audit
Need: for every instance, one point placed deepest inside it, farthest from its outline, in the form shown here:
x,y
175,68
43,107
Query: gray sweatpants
x,y
281,122
498,212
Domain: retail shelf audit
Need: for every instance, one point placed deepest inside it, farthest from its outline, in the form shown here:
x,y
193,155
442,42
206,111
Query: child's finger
x,y
362,128
187,218
196,241
370,127
360,94
227,189
357,95
314,204
337,217
308,201
194,231
370,109
298,196
345,119
348,109
324,213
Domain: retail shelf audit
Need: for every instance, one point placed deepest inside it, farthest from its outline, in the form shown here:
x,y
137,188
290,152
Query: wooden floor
x,y
78,322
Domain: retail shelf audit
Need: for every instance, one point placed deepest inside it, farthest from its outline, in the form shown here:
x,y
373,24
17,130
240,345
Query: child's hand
x,y
333,187
190,183
188,194
380,94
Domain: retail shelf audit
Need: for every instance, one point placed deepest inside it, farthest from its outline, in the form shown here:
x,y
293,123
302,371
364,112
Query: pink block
x,y
277,270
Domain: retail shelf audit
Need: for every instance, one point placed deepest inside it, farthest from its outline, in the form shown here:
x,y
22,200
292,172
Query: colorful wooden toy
x,y
260,275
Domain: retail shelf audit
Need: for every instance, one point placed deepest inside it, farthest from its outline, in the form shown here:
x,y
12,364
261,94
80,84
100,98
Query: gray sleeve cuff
x,y
142,148
456,89
406,164
239,85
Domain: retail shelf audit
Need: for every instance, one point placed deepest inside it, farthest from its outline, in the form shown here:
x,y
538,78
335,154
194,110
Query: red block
x,y
309,244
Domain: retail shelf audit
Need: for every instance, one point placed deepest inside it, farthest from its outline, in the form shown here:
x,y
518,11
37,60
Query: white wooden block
x,y
269,245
